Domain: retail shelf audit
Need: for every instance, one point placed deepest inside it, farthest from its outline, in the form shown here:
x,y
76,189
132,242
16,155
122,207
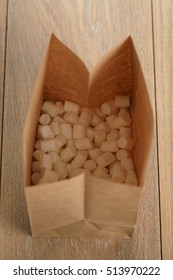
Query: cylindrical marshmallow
x,y
95,120
131,178
60,168
127,163
90,133
35,166
110,120
66,130
35,178
55,128
94,153
71,143
50,109
59,120
71,107
45,132
71,117
79,131
122,100
121,154
85,118
108,107
79,159
37,154
125,131
125,143
45,119
105,159
45,162
68,154
111,166
118,173
60,140
120,121
48,175
122,111
100,114
90,164
60,106
100,172
99,137
51,144
109,146
112,135
54,157
103,126
83,144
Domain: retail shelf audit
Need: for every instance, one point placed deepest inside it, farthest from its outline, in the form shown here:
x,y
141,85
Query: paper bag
x,y
86,206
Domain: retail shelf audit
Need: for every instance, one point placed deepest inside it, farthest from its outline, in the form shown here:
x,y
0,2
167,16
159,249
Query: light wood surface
x,y
3,6
89,28
163,36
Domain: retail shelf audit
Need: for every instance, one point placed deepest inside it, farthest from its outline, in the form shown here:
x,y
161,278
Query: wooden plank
x,y
89,28
3,7
163,42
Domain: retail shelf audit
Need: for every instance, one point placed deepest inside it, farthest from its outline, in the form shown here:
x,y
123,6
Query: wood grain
x,y
89,28
163,42
3,8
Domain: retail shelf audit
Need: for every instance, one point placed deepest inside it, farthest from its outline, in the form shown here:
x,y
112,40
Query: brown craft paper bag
x,y
86,205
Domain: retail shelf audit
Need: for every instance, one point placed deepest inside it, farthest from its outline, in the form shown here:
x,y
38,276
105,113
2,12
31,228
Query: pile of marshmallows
x,y
72,140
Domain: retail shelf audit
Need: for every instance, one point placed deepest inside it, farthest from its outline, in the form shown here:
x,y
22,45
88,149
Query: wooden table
x,y
89,28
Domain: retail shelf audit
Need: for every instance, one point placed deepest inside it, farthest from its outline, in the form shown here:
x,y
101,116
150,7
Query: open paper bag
x,y
86,205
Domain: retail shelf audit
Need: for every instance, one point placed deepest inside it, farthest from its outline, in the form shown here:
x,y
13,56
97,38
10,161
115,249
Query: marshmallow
x,y
90,164
118,173
66,130
50,108
103,126
109,146
55,128
99,137
45,162
94,153
100,114
131,178
125,143
59,120
45,119
127,163
37,154
71,107
60,106
35,178
71,117
100,172
60,168
125,131
68,154
112,135
90,133
79,159
79,131
48,175
85,118
105,159
83,144
54,157
45,132
121,154
95,120
108,107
